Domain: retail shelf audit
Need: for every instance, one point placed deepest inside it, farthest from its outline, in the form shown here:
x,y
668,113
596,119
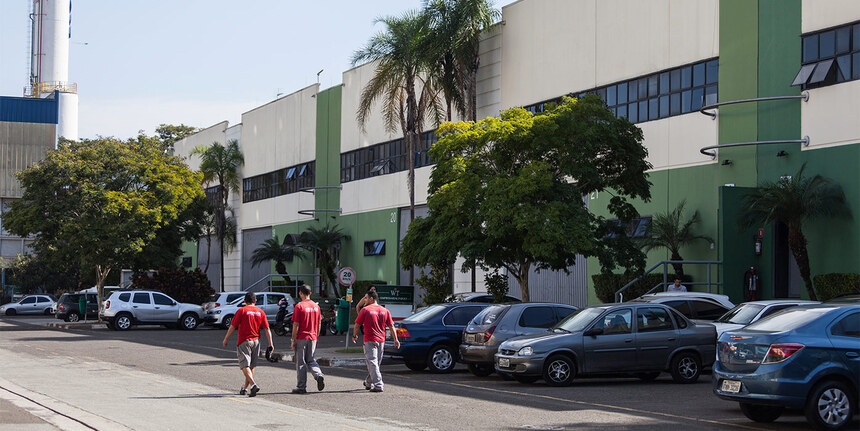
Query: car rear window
x,y
234,296
787,320
707,310
490,315
425,314
214,298
461,316
742,314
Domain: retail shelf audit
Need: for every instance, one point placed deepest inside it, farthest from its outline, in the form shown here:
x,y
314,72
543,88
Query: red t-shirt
x,y
307,314
375,318
249,320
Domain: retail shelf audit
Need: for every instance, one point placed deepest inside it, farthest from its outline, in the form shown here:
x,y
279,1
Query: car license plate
x,y
731,386
504,362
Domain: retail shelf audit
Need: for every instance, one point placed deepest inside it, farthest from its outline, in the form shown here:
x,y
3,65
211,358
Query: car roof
x,y
780,302
666,298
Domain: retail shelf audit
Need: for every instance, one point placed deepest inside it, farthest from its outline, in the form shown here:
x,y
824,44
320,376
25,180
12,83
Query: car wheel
x,y
686,367
73,317
648,377
189,321
332,329
760,413
831,406
11,312
525,379
280,331
48,312
441,359
227,320
481,370
122,322
559,370
416,366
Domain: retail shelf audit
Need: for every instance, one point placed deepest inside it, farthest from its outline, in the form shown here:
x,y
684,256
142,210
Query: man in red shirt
x,y
249,320
375,319
306,327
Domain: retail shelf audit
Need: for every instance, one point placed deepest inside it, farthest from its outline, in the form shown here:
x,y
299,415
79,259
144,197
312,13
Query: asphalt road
x,y
413,400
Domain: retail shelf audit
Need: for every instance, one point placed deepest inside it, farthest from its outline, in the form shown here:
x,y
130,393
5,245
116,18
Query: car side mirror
x,y
594,331
174,303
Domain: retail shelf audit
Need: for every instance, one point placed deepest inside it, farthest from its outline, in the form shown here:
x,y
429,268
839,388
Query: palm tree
x,y
325,242
209,228
274,249
670,231
793,201
220,165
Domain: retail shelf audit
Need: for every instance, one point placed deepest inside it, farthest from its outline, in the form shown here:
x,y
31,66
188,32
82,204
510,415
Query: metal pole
x,y
665,276
709,277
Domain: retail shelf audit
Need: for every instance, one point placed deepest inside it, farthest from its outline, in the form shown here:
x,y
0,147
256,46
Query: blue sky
x,y
140,63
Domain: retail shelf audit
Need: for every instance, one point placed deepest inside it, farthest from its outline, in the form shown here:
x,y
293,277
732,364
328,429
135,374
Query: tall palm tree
x,y
325,243
209,228
794,201
274,249
670,231
220,165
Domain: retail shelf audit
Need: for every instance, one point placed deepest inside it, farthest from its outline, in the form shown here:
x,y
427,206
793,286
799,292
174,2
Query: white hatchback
x,y
266,301
30,304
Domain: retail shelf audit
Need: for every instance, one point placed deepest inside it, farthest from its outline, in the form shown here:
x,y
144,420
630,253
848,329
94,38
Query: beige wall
x,y
489,79
821,14
205,137
384,191
675,141
352,137
830,117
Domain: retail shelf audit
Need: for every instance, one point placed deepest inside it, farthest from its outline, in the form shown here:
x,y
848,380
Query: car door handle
x,y
852,354
134,306
670,339
158,308
628,340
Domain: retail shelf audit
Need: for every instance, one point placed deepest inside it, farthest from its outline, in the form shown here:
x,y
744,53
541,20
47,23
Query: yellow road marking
x,y
290,413
352,428
162,382
239,401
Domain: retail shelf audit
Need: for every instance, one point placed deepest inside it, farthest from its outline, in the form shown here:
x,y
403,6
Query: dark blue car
x,y
431,337
802,358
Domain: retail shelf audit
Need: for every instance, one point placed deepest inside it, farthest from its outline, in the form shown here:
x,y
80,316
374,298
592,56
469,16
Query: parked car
x,y
125,308
30,304
692,307
642,339
500,322
716,297
845,299
222,298
223,314
476,297
753,311
806,357
69,308
430,337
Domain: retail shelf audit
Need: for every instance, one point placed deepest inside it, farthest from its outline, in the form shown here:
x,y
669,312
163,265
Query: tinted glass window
x,y
273,299
141,298
460,316
681,306
775,309
537,317
787,321
30,300
826,44
562,312
261,299
42,299
124,297
161,299
848,326
742,314
233,297
810,48
616,322
490,315
653,319
680,320
707,310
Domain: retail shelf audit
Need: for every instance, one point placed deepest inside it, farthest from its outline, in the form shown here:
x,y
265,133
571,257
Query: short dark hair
x,y
373,295
250,297
305,289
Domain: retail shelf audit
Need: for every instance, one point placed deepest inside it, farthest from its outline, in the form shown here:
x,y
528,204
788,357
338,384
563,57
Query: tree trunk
x,y
281,269
473,86
221,240
678,267
522,276
208,250
410,135
101,275
797,242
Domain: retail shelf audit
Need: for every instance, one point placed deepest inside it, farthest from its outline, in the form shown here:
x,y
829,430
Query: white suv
x,y
135,307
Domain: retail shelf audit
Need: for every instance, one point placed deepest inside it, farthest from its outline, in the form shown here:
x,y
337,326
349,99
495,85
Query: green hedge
x,y
605,286
829,286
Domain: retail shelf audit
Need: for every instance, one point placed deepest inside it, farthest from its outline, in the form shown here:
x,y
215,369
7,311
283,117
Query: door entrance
x,y
786,273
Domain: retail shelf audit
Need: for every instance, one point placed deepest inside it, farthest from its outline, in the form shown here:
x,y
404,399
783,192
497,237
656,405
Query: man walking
x,y
249,320
375,319
306,326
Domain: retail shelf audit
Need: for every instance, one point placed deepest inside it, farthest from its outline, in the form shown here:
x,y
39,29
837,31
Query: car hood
x,y
533,340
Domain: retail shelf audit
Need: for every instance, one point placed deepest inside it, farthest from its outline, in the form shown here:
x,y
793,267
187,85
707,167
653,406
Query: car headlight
x,y
525,351
217,311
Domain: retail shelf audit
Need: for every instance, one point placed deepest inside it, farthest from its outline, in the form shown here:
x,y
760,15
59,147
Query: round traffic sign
x,y
346,276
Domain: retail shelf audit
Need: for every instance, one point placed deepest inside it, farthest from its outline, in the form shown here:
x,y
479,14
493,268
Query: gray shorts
x,y
248,353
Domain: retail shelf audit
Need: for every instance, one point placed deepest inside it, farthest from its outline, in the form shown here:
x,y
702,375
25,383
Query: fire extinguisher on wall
x,y
758,246
751,282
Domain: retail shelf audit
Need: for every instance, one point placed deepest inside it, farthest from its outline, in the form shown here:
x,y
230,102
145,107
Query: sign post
x,y
346,276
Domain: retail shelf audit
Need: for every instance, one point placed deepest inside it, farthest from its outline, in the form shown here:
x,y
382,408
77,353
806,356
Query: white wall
x,y
830,117
675,141
489,79
821,14
351,135
205,137
384,191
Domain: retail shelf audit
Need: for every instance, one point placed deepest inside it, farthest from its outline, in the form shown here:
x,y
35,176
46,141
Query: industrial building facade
x,y
657,63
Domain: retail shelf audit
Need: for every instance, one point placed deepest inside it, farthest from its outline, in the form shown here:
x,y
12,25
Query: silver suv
x,y
126,308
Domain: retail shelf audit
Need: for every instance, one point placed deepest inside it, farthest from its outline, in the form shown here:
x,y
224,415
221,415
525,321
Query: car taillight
x,y
217,304
62,307
780,352
488,334
402,332
107,304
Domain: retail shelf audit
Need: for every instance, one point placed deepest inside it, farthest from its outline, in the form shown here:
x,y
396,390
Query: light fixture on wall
x,y
782,153
726,162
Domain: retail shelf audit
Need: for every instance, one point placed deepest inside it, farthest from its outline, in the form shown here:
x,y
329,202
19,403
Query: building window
x,y
637,228
829,57
186,262
374,248
385,158
659,95
278,183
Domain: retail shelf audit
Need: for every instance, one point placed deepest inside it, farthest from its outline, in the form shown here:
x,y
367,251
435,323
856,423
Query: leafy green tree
x,y
670,231
274,250
436,284
794,201
100,202
325,243
220,165
509,192
168,134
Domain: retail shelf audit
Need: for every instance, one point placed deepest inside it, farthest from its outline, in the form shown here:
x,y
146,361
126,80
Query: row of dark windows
x,y
660,95
636,228
281,182
830,57
384,158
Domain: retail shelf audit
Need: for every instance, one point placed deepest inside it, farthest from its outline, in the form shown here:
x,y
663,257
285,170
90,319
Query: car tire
x,y
830,406
481,370
648,377
416,366
441,359
47,312
760,413
122,322
225,323
686,367
189,321
72,317
559,370
280,331
525,379
11,312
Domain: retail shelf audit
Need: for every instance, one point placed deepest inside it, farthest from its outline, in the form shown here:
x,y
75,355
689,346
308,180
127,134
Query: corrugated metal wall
x,y
21,145
29,110
556,286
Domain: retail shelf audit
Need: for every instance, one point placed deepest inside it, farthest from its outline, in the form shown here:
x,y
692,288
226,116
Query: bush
x,y
829,286
497,285
184,286
605,285
436,285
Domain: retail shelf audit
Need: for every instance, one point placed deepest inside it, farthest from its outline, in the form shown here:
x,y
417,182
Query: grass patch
x,y
350,350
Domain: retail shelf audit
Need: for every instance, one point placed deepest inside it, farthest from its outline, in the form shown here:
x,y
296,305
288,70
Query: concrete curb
x,y
81,325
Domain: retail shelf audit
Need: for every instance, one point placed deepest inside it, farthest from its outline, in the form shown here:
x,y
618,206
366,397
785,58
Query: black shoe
x,y
375,389
242,391
299,391
321,383
366,386
254,390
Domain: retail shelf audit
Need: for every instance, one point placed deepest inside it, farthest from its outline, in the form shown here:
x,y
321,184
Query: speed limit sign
x,y
346,276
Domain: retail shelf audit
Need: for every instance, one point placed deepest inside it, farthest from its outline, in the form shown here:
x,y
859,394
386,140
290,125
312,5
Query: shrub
x,y
184,286
605,285
497,285
436,285
829,286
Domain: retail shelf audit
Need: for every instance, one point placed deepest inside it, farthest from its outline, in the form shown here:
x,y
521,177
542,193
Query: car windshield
x,y
425,314
489,315
742,314
579,320
787,320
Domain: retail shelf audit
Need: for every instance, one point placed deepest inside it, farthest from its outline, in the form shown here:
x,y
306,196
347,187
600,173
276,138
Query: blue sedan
x,y
803,358
431,337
